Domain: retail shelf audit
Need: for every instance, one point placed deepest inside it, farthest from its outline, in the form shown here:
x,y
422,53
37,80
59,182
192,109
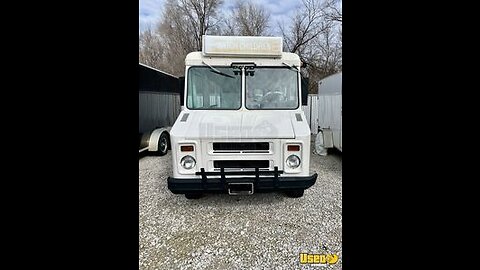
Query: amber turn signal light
x,y
293,148
186,148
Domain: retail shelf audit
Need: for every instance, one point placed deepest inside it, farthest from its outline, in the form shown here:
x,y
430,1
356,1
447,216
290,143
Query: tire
x,y
297,193
193,196
162,144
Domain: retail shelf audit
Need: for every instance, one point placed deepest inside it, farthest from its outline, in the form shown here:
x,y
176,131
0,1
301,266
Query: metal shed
x,y
159,100
158,97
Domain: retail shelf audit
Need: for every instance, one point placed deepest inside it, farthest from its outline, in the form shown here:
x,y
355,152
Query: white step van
x,y
242,129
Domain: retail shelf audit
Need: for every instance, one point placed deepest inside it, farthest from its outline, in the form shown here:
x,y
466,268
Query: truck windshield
x,y
272,88
217,88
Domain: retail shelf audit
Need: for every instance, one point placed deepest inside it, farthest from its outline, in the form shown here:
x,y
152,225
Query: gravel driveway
x,y
218,231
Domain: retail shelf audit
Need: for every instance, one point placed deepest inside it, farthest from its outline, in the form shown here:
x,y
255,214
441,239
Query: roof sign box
x,y
242,46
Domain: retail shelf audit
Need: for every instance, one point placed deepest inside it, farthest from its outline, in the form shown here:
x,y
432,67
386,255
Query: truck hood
x,y
235,125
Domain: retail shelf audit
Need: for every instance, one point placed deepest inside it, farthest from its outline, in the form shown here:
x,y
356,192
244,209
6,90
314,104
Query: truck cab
x,y
242,129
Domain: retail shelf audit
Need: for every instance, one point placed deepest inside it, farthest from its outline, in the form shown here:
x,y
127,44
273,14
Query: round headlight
x,y
187,162
293,161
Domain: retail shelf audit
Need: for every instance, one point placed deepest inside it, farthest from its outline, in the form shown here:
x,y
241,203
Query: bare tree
x,y
324,57
176,37
247,19
230,25
309,22
150,49
201,16
334,10
179,32
314,34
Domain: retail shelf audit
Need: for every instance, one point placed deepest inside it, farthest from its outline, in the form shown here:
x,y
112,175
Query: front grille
x,y
241,164
240,146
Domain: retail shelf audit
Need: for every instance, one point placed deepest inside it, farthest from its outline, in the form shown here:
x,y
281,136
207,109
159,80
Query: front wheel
x,y
162,144
297,193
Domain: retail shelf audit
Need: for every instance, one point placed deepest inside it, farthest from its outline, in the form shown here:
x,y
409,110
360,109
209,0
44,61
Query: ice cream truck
x,y
242,129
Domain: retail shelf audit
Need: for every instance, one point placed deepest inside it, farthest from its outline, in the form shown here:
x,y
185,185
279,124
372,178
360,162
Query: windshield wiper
x,y
217,71
291,67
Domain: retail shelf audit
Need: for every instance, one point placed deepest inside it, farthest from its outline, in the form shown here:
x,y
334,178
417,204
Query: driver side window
x,y
272,88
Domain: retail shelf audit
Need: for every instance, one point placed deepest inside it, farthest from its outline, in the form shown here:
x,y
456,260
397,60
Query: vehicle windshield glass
x,y
213,88
272,88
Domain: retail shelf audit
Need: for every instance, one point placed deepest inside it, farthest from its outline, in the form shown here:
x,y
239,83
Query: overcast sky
x,y
150,11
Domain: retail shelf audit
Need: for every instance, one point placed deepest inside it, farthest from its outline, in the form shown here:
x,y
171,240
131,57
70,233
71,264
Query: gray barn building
x,y
160,96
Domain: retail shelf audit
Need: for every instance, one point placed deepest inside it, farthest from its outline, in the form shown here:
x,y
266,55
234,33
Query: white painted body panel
x,y
235,125
196,59
202,130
